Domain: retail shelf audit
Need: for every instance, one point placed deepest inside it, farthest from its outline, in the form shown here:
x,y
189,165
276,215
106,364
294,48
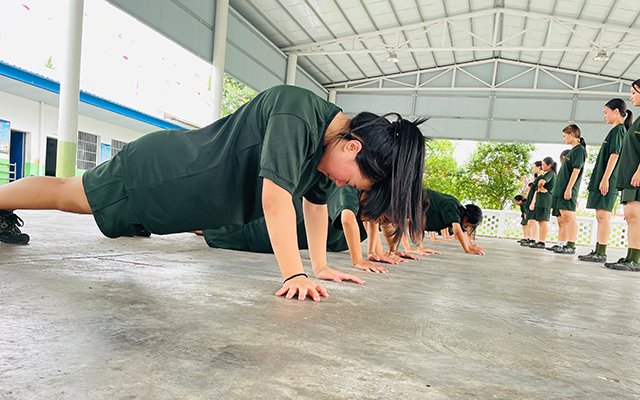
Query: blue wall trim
x,y
47,84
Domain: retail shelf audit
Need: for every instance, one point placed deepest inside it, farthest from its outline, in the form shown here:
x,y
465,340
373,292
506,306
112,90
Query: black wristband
x,y
295,276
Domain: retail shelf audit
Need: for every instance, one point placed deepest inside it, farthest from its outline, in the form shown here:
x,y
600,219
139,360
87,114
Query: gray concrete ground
x,y
87,317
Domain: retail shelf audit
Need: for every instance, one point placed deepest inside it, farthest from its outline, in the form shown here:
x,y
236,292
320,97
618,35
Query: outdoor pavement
x,y
87,317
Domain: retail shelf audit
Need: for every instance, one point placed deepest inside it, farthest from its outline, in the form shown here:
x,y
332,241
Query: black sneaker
x,y
9,231
554,247
624,265
527,242
140,231
593,257
565,250
537,245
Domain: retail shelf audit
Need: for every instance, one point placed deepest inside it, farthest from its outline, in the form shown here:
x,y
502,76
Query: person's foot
x,y
554,247
9,231
624,265
526,242
537,245
593,257
565,250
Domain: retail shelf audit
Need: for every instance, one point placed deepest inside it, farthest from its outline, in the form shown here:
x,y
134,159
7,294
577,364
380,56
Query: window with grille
x,y
116,146
87,150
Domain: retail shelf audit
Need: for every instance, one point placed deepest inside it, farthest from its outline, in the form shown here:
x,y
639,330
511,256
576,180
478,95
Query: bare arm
x,y
352,235
280,217
464,240
572,180
604,183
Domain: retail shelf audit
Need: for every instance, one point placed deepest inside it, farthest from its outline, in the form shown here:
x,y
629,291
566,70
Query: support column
x,y
332,96
292,65
219,52
70,92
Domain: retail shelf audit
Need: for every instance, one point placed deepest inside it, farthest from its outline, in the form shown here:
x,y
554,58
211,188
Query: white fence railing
x,y
506,224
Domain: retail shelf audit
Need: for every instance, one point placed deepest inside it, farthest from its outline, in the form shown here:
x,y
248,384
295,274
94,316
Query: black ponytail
x,y
582,142
549,161
621,106
392,157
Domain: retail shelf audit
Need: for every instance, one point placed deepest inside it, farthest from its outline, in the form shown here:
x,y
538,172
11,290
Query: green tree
x,y
441,171
235,94
493,175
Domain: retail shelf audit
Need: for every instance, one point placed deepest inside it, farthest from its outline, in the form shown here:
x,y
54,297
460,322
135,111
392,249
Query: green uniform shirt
x,y
211,177
630,156
612,145
543,200
575,160
533,189
255,237
523,209
443,211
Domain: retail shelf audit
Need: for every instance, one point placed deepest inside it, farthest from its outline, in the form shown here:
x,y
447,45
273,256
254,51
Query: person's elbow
x,y
348,219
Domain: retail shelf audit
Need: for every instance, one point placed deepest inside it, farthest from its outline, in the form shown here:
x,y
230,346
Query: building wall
x,y
40,121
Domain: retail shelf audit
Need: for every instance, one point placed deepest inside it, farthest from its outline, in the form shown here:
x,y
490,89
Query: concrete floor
x,y
86,317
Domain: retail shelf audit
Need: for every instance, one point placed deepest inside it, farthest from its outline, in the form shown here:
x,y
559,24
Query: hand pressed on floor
x,y
330,274
303,287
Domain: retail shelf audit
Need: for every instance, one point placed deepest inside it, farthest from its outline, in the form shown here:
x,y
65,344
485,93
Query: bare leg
x,y
562,227
533,229
632,216
571,225
45,193
544,225
604,225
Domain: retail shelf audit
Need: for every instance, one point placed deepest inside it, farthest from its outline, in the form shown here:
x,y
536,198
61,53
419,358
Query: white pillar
x,y
219,51
292,65
70,92
332,96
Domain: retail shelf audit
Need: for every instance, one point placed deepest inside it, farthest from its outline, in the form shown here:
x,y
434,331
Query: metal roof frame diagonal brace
x,y
503,72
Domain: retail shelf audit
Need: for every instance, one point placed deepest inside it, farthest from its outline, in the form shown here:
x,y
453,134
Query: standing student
x,y
532,224
628,181
565,192
285,143
602,188
541,200
346,231
562,227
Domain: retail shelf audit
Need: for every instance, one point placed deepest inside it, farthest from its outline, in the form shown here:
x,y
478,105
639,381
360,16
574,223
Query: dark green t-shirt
x,y
543,200
575,160
523,209
630,156
533,189
255,237
211,177
443,211
612,145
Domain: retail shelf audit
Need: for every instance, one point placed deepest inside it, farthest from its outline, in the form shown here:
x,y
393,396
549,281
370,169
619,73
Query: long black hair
x,y
539,165
621,106
392,157
473,214
549,161
574,130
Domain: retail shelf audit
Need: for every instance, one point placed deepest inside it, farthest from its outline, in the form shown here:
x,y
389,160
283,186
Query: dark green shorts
x,y
558,203
541,213
104,187
596,201
630,195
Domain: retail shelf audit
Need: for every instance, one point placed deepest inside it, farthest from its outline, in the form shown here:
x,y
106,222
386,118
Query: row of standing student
x,y
616,173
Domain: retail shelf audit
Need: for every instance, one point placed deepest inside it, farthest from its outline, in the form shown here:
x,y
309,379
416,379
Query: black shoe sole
x,y
18,239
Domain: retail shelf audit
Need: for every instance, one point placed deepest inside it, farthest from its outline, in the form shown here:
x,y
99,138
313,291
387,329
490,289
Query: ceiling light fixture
x,y
601,56
393,57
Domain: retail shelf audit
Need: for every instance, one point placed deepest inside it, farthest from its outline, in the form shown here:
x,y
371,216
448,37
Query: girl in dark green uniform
x,y
541,201
602,185
531,229
565,192
628,181
521,202
287,142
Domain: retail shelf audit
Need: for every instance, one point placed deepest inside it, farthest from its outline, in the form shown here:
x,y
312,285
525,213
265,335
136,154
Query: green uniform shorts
x,y
541,213
630,195
104,188
596,201
559,203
